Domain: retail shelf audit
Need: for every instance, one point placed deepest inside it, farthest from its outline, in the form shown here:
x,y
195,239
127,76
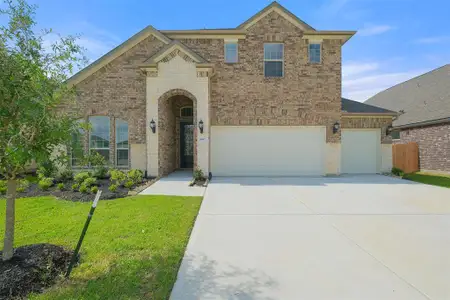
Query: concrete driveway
x,y
361,237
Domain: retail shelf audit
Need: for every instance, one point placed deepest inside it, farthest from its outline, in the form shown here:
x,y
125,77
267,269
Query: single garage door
x,y
267,150
361,151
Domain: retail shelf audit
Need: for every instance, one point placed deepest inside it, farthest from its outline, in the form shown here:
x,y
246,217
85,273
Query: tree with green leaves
x,y
32,91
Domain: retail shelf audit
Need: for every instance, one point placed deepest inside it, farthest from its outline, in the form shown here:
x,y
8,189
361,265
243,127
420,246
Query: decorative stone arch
x,y
168,147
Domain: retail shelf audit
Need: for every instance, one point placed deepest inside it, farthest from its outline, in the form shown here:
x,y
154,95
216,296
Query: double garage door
x,y
288,151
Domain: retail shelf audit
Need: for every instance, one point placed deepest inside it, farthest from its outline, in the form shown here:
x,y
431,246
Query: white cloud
x,y
363,87
354,68
432,40
369,30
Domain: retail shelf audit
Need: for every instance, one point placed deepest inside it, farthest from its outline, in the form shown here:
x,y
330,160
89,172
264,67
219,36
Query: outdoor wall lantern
x,y
388,129
200,126
336,127
153,125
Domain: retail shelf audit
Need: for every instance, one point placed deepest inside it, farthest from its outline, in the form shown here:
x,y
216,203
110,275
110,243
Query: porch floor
x,y
175,184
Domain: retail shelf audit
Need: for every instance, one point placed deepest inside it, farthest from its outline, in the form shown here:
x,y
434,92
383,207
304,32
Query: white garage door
x,y
361,151
267,150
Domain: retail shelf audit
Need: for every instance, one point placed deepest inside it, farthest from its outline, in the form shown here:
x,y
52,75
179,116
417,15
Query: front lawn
x,y
429,178
132,250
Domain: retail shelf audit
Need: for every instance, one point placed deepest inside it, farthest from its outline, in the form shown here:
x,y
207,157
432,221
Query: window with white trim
x,y
122,148
99,137
77,146
273,60
315,53
395,135
231,52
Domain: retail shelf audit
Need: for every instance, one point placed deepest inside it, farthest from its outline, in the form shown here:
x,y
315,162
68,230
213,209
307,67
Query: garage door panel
x,y
360,151
267,151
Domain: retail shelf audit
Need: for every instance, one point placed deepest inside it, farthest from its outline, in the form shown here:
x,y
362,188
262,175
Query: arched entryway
x,y
177,131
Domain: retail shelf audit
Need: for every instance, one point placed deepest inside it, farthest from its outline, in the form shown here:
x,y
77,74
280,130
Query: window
x,y
186,112
121,143
231,52
315,53
273,60
99,136
395,135
77,146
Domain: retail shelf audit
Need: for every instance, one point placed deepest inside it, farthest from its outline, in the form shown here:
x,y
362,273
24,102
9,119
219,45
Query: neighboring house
x,y
424,106
263,98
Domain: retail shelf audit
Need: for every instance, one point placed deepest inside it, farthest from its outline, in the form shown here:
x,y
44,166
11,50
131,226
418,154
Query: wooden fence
x,y
406,157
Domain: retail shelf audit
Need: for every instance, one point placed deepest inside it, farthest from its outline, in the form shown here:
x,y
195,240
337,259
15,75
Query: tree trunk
x,y
8,250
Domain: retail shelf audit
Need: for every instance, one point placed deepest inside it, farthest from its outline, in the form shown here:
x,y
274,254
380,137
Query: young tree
x,y
32,90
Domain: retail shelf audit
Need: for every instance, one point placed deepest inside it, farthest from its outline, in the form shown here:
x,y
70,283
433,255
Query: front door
x,y
186,145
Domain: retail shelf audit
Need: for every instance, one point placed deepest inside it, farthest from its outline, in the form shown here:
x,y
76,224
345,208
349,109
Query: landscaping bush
x,y
45,183
65,175
129,184
3,187
60,186
117,177
88,182
397,171
136,176
94,189
75,187
83,189
99,164
23,185
198,174
46,170
112,188
81,177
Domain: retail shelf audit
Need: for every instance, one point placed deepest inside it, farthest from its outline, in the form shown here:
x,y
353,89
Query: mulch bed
x,y
67,194
32,269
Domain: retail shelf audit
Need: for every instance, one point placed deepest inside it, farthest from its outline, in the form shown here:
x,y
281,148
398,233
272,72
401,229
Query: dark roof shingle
x,y
351,106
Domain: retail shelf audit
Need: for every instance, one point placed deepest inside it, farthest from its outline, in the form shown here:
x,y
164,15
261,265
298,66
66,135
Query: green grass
x,y
430,178
132,249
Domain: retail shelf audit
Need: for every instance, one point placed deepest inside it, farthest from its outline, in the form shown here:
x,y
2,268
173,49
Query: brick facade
x,y
307,94
434,146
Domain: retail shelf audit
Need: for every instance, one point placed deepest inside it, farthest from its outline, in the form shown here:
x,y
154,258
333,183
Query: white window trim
x,y
123,148
231,42
309,52
268,59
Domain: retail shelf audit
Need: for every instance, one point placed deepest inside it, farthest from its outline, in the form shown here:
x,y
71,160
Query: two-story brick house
x,y
261,99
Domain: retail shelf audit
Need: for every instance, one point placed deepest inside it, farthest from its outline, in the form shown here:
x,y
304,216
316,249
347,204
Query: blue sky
x,y
397,39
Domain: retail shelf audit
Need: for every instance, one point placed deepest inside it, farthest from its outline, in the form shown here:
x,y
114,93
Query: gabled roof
x,y
355,107
174,45
423,99
116,52
275,6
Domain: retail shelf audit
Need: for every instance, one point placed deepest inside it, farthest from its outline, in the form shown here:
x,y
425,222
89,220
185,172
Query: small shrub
x,y
81,177
3,187
112,188
94,189
90,181
198,174
75,187
397,171
23,185
117,177
45,183
129,184
83,189
60,186
99,164
135,175
65,175
46,169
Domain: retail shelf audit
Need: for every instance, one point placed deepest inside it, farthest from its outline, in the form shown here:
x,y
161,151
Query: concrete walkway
x,y
365,237
176,184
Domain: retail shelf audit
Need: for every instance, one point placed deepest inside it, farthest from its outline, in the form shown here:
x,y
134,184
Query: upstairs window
x,y
231,53
99,136
273,60
315,56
